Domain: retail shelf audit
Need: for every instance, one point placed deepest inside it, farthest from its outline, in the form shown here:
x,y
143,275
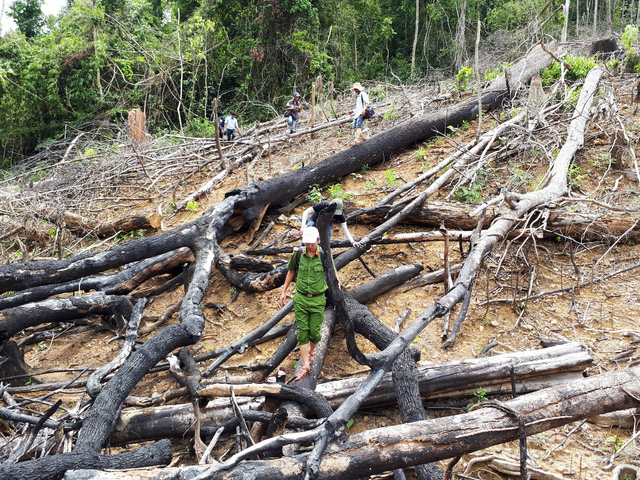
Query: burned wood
x,y
533,370
401,446
54,467
84,226
131,335
14,319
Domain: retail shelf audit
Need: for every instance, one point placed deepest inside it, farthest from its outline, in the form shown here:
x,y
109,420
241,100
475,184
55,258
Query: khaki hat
x,y
357,86
338,204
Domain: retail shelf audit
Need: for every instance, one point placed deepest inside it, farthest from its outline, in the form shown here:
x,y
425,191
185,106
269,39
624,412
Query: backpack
x,y
369,112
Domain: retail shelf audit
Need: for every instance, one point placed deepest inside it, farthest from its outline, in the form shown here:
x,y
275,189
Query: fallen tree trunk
x,y
460,378
561,221
532,371
84,226
120,283
400,446
12,320
54,467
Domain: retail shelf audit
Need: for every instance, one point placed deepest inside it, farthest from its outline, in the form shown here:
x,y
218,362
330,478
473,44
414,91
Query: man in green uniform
x,y
309,300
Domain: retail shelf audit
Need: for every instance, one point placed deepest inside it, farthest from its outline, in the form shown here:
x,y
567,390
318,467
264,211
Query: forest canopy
x,y
97,60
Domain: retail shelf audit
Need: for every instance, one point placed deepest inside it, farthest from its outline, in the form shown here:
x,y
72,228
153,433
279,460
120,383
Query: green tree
x,y
28,16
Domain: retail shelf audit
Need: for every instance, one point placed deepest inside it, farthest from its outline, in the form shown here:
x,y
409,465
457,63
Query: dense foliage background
x,y
98,59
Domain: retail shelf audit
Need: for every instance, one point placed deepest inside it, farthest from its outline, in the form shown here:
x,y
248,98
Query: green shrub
x,y
462,78
315,194
580,67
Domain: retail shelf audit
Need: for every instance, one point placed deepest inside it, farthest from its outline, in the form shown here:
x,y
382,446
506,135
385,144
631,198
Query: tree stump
x,y
137,126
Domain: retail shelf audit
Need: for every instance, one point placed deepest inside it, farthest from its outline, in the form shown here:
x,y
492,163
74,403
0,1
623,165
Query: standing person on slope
x,y
294,107
362,102
309,300
231,125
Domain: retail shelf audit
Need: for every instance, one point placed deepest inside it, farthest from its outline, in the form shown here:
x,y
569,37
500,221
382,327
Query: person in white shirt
x,y
231,125
362,102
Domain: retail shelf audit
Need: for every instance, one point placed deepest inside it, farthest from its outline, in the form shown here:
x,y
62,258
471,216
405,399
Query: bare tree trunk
x,y
459,46
415,37
563,38
595,17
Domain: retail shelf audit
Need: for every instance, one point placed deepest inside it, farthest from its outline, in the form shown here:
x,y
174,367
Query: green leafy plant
x,y
315,194
337,191
540,439
192,206
421,153
580,67
462,78
613,441
390,177
481,396
630,36
575,176
491,74
521,178
370,184
350,423
603,161
464,194
391,113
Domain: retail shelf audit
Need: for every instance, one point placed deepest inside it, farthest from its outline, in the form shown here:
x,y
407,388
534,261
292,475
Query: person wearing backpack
x,y
360,112
309,300
294,107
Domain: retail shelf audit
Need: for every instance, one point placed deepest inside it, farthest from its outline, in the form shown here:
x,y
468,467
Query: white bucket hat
x,y
357,86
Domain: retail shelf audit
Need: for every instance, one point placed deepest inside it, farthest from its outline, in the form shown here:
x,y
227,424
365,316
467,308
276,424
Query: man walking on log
x,y
309,300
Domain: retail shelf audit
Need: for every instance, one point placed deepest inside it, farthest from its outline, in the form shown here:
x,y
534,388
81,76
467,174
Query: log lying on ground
x,y
54,467
460,378
13,320
120,283
579,225
456,379
400,446
84,226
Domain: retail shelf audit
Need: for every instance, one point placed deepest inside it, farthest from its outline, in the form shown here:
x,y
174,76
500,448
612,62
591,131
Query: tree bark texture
x,y
533,370
401,446
578,225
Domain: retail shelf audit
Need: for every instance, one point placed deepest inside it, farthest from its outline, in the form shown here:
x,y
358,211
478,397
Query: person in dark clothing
x,y
310,216
294,107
